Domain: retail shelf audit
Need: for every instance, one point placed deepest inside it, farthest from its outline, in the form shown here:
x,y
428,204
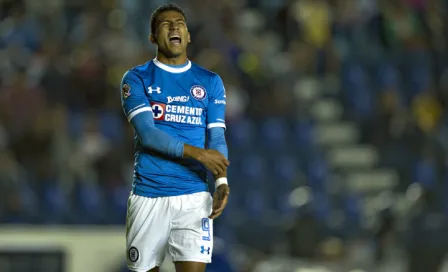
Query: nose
x,y
173,25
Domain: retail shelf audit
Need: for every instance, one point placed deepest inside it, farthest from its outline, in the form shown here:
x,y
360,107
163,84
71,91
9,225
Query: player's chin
x,y
175,49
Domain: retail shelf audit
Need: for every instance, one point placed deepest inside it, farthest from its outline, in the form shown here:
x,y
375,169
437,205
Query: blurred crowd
x,y
66,148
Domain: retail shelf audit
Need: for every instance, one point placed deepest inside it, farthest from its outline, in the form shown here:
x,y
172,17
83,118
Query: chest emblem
x,y
198,92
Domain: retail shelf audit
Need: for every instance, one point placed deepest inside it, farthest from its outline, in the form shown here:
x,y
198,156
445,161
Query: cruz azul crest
x,y
198,92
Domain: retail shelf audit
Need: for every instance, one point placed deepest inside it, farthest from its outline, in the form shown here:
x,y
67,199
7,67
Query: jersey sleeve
x,y
217,105
217,141
133,97
138,111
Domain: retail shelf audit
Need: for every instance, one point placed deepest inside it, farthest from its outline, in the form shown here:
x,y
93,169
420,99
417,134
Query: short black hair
x,y
161,9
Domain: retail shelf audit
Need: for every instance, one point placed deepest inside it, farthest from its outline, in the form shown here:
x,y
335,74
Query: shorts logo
x,y
158,110
126,89
133,254
204,250
198,92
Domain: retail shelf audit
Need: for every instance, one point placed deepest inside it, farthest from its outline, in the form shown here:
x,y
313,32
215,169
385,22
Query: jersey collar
x,y
172,69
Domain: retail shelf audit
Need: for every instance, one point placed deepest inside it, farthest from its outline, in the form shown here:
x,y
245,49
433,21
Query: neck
x,y
178,60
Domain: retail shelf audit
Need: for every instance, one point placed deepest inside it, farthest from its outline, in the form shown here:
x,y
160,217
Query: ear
x,y
189,37
152,39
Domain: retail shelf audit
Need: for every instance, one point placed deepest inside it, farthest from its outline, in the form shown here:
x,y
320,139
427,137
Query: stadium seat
x,y
354,77
111,125
419,73
304,135
254,203
232,171
358,96
55,204
88,203
320,206
317,172
241,133
352,206
252,168
352,213
284,172
387,75
223,231
274,134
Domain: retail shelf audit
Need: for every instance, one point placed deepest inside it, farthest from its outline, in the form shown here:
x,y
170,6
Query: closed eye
x,y
167,23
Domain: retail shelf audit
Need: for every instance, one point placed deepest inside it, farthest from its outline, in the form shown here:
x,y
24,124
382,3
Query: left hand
x,y
220,198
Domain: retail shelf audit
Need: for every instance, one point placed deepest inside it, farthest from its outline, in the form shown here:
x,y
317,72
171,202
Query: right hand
x,y
213,161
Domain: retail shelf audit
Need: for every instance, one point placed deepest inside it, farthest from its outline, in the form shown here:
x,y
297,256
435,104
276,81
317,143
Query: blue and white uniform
x,y
170,203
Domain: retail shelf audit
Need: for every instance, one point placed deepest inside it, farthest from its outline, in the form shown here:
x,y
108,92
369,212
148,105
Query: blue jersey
x,y
185,101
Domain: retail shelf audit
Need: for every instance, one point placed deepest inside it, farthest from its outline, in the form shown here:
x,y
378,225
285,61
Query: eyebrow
x,y
176,20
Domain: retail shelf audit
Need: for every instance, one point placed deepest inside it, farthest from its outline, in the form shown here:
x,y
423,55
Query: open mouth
x,y
175,39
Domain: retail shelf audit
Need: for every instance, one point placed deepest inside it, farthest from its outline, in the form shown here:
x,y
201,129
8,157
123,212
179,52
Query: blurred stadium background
x,y
337,129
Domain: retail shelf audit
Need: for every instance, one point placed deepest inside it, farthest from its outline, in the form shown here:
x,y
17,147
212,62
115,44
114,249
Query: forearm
x,y
217,141
192,152
155,139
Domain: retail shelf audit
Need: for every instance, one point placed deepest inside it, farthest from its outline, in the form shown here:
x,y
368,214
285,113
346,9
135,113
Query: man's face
x,y
171,34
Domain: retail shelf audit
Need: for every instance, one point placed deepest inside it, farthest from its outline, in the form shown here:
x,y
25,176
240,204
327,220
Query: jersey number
x,y
206,228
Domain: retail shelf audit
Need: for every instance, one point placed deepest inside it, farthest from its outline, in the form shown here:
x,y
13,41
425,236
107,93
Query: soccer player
x,y
177,110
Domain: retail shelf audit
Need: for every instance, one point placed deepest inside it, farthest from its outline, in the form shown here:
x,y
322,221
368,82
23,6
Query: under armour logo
x,y
203,250
157,90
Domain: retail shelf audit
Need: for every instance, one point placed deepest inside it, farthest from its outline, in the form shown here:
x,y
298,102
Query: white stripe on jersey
x,y
134,113
213,125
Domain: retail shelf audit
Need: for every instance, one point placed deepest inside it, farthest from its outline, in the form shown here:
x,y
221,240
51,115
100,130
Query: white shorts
x,y
178,225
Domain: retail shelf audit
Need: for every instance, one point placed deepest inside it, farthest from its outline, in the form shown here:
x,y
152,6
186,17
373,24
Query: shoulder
x,y
211,77
139,71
